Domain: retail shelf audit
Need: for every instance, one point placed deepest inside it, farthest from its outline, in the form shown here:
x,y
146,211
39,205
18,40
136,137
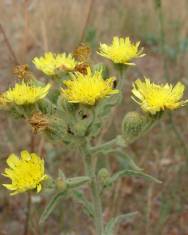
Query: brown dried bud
x,y
3,102
21,71
82,68
38,122
82,52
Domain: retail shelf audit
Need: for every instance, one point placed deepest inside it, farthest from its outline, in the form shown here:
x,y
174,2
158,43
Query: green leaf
x,y
112,224
126,161
132,173
77,181
50,207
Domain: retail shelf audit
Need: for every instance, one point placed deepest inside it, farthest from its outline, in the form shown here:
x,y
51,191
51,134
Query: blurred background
x,y
29,28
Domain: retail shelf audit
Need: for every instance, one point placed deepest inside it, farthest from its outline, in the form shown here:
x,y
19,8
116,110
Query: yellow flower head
x,y
121,51
50,63
24,93
88,88
153,97
25,172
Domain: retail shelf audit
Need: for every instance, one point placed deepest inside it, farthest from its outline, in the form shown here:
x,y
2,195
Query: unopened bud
x,y
103,175
60,184
135,124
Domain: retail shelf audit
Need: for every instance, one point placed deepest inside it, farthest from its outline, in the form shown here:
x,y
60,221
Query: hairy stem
x,y
90,171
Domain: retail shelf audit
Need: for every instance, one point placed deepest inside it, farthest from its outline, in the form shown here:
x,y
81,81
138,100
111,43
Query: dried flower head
x,y
121,51
24,93
25,172
154,98
82,53
88,88
82,67
21,71
50,63
39,122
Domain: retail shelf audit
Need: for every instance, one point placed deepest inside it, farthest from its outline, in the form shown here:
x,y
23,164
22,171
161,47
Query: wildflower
x,y
88,88
121,51
154,98
25,172
50,63
24,93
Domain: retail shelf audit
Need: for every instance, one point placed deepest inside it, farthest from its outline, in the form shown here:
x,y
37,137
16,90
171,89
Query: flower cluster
x,y
83,86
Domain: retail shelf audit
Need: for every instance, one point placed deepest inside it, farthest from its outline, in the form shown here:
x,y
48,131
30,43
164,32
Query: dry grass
x,y
33,27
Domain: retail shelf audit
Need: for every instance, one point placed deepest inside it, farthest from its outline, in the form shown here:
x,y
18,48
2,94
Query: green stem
x,y
90,171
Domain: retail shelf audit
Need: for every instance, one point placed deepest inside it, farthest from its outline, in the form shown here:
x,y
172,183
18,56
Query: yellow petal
x,y
12,161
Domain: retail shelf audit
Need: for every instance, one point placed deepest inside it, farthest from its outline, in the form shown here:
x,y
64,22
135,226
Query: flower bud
x,y
103,175
135,124
60,184
80,129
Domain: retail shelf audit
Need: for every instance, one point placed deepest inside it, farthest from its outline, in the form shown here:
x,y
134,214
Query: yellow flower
x,y
50,63
24,93
25,172
88,88
154,98
121,51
